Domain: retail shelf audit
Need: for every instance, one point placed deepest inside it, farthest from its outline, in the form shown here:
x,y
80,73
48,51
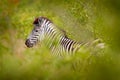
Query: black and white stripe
x,y
57,41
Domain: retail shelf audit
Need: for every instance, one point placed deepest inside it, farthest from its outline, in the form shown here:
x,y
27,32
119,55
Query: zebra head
x,y
37,33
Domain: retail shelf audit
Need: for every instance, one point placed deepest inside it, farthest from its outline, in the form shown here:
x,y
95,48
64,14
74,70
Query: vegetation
x,y
83,20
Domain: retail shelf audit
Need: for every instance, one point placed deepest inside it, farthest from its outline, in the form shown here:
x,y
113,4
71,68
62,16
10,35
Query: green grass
x,y
83,20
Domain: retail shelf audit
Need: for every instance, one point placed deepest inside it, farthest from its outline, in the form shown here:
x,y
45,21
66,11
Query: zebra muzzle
x,y
28,44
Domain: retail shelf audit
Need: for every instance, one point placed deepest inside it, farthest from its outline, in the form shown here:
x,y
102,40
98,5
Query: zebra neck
x,y
57,41
53,37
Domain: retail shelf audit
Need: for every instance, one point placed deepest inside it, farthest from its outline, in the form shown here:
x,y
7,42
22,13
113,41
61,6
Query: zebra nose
x,y
28,44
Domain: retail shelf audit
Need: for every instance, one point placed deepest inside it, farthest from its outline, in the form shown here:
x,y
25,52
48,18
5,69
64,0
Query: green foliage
x,y
83,20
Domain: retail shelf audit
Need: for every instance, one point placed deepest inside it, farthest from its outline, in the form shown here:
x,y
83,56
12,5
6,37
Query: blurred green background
x,y
83,20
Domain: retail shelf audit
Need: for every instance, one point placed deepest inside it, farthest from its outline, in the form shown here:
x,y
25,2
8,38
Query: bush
x,y
83,20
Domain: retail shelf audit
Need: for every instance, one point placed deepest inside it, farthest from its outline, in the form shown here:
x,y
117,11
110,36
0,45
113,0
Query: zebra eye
x,y
36,30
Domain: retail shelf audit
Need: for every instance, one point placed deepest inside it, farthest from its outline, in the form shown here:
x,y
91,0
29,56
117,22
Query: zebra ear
x,y
35,21
40,20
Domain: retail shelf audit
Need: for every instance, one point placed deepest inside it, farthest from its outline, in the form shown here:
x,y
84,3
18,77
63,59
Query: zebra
x,y
55,39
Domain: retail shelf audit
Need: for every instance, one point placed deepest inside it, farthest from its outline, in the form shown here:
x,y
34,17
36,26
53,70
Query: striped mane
x,y
64,32
36,20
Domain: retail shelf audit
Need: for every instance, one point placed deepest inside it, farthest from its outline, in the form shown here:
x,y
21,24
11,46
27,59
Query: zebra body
x,y
55,39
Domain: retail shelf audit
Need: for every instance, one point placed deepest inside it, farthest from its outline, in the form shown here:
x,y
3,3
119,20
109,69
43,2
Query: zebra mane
x,y
36,20
42,17
64,32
